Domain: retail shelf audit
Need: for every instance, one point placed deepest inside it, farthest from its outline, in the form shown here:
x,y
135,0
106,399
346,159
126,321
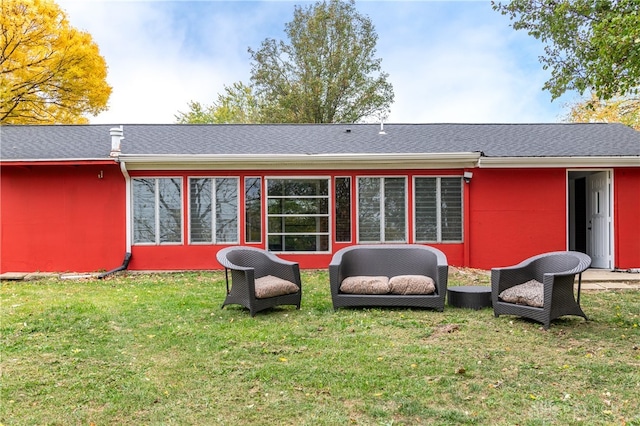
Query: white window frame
x,y
157,232
438,210
214,231
328,216
334,181
382,221
261,199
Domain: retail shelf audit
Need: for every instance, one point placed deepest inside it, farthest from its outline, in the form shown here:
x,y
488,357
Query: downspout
x,y
127,255
467,177
127,181
125,265
467,216
117,135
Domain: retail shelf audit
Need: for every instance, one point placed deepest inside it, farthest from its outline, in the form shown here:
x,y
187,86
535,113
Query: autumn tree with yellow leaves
x,y
620,109
50,73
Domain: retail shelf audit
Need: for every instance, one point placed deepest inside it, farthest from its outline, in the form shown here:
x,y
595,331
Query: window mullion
x,y
438,211
382,211
214,210
156,186
284,231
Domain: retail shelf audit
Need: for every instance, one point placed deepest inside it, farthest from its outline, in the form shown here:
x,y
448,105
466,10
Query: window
x,y
252,208
438,209
343,208
209,195
157,210
382,211
298,214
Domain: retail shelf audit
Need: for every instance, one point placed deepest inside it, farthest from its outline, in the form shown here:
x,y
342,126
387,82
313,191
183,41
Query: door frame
x,y
574,208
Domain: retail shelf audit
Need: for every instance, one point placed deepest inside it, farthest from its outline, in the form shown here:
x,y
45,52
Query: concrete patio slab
x,y
13,276
603,275
617,286
590,286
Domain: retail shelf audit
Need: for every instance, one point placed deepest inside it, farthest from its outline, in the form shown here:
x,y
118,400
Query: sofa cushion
x,y
412,284
530,293
270,286
365,285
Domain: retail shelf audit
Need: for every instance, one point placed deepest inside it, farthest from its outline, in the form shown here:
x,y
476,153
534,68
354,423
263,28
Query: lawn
x,y
158,350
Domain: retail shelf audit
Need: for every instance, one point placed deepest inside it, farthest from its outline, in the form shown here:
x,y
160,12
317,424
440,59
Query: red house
x,y
77,198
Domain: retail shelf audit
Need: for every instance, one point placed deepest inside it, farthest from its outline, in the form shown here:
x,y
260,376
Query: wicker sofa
x,y
390,261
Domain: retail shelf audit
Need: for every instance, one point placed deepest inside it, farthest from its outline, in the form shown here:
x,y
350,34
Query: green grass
x,y
158,350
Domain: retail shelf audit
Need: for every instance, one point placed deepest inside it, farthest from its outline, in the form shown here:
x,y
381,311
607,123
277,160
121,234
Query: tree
x,y
49,72
590,44
327,73
625,110
237,104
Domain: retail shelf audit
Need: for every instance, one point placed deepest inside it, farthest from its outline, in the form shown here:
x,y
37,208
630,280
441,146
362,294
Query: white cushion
x,y
270,286
530,293
365,285
412,284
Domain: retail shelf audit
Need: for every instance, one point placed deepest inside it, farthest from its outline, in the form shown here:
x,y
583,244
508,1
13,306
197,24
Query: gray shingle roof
x,y
62,142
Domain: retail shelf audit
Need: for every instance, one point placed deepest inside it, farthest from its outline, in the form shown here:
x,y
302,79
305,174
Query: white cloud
x,y
448,62
155,68
463,64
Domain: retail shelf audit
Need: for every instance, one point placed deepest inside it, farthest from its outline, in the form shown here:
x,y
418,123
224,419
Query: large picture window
x,y
213,210
382,209
298,214
438,209
157,210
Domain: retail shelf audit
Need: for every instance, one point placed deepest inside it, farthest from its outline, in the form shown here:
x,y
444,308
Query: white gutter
x,y
540,162
56,160
301,161
127,185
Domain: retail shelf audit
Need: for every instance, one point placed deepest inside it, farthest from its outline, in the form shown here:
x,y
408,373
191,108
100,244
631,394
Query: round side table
x,y
469,296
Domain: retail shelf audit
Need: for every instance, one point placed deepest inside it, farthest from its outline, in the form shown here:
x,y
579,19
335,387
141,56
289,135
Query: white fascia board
x,y
547,162
302,161
55,160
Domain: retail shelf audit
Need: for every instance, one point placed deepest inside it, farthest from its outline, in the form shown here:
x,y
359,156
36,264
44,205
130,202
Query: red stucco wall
x,y
515,214
67,218
627,218
62,218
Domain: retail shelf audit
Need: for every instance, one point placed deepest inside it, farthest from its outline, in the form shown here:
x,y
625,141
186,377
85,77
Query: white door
x,y
599,220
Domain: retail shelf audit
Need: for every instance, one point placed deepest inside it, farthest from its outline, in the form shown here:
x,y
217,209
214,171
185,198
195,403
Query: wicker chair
x,y
248,266
389,260
556,271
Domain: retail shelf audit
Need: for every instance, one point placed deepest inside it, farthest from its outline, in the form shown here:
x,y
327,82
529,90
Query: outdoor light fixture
x,y
467,176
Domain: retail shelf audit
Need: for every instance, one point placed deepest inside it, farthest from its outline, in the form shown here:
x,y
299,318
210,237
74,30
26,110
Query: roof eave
x,y
545,162
57,162
301,161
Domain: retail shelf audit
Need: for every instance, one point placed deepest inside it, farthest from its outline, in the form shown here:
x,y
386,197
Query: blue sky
x,y
448,61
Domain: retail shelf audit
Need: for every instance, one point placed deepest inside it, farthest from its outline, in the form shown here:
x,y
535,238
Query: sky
x,y
448,61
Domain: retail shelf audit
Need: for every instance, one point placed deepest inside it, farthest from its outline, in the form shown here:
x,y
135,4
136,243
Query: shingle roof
x,y
62,142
